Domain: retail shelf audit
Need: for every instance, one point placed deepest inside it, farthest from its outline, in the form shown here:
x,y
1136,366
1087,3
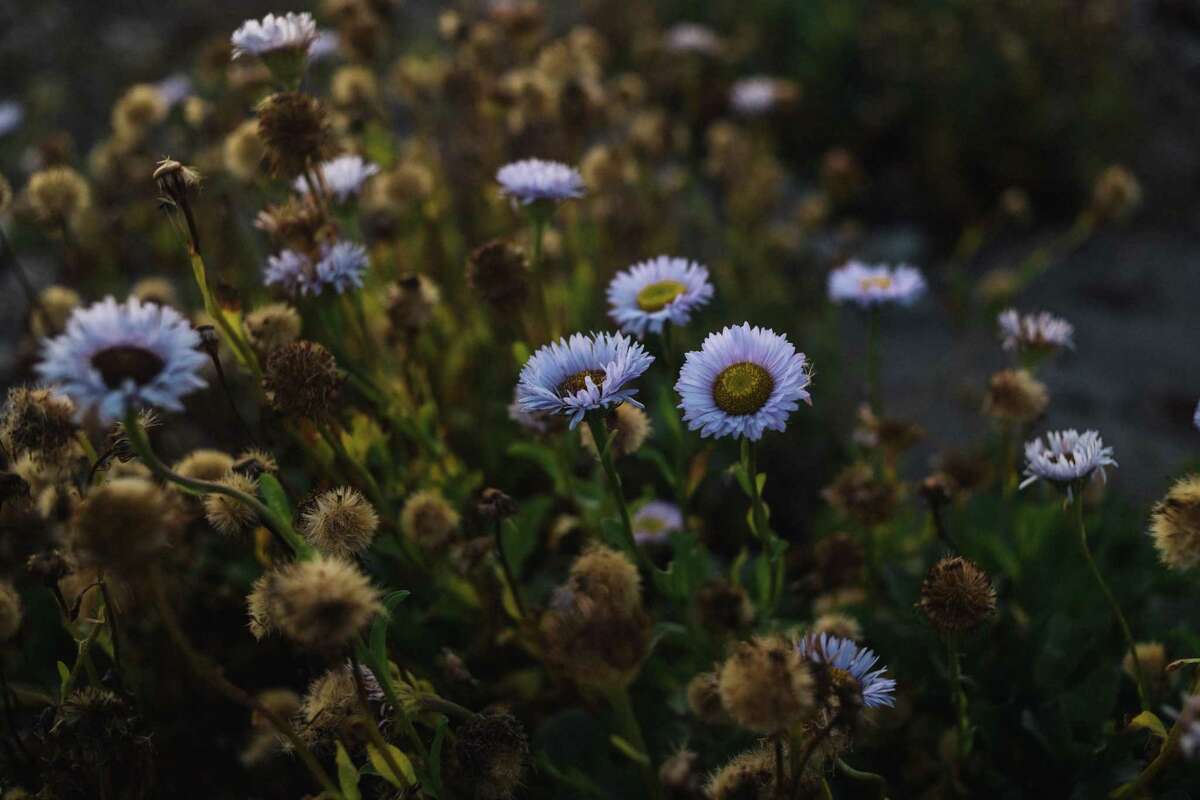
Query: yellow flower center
x,y
116,364
743,388
657,296
841,679
880,282
577,382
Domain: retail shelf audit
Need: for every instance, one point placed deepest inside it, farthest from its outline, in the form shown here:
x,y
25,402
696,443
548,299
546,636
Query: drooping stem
x,y
509,576
960,698
1139,678
595,422
631,731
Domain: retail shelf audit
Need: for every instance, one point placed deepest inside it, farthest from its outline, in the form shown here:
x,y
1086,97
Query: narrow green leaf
x,y
408,776
347,774
631,752
274,496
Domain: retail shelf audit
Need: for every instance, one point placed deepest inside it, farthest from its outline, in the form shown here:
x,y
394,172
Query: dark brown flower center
x,y
126,362
743,388
657,296
578,381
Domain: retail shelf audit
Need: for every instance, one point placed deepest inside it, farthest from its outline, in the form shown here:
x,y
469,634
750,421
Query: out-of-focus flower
x,y
1189,722
12,114
875,284
760,94
654,522
340,268
1175,524
1014,395
851,662
582,373
652,293
1066,457
343,176
1041,331
174,88
743,380
116,356
290,31
327,45
690,37
533,179
1116,194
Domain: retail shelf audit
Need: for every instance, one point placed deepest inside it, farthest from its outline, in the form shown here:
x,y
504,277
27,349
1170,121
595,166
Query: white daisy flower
x,y
343,176
581,374
876,284
1040,331
689,37
113,357
649,294
754,96
654,522
326,45
853,662
1066,457
743,380
290,31
534,179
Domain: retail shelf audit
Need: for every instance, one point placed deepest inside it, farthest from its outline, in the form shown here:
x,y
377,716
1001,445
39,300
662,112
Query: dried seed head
x,y
842,626
704,699
428,519
204,465
321,604
229,515
253,463
136,112
723,606
494,504
55,304
858,493
156,289
302,379
957,596
632,428
1014,395
1175,524
765,685
750,776
37,422
396,191
411,302
121,526
328,709
245,152
354,87
490,755
10,611
58,195
272,326
499,272
340,522
1116,194
296,132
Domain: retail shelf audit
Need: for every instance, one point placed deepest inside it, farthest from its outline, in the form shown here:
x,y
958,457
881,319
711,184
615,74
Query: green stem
x,y
364,476
595,422
509,576
241,349
631,731
383,673
874,357
760,516
538,220
960,698
114,628
1143,694
364,708
864,776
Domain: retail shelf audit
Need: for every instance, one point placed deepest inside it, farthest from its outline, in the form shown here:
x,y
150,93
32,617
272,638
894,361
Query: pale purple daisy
x,y
174,88
1196,416
754,96
533,179
342,266
652,293
1041,331
12,114
114,357
343,176
689,37
581,374
744,380
326,45
1066,458
292,271
853,661
290,31
875,284
654,522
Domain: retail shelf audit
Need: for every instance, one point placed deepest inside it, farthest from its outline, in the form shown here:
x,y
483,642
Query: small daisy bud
x,y
38,423
765,685
750,776
957,596
494,504
499,272
320,604
10,611
253,463
1152,656
156,290
229,515
724,607
340,522
859,494
428,520
245,152
1116,194
704,699
58,195
1014,395
135,112
842,626
631,426
296,132
411,302
121,526
1175,524
302,379
55,304
272,326
490,755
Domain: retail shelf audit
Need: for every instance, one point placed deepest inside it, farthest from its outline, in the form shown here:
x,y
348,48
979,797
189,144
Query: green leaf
x,y
347,774
520,352
689,568
408,776
544,457
435,755
64,678
1148,720
629,750
274,496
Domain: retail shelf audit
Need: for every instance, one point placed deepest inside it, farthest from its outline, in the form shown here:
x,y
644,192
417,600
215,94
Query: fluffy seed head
x,y
499,272
295,131
328,709
10,611
428,519
272,326
56,304
842,626
1175,524
156,289
704,699
37,422
321,604
1014,395
750,776
631,426
139,109
723,606
491,754
253,463
302,379
58,195
227,514
411,301
245,151
204,465
354,87
121,526
765,685
1116,194
340,522
957,596
858,493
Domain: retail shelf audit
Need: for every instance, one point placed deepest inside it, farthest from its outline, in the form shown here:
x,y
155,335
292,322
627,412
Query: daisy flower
x,y
689,37
534,179
1040,331
293,271
326,45
754,96
875,284
290,31
743,380
581,374
1196,416
655,522
12,114
649,294
848,661
344,176
174,88
1066,457
340,268
116,356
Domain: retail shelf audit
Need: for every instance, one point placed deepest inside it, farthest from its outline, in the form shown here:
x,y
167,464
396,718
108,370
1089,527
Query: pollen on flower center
x,y
743,388
657,296
841,679
121,362
877,282
578,382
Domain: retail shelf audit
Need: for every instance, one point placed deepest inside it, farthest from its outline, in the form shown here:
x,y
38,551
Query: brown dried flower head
x,y
957,596
631,426
1014,395
428,519
490,755
122,526
302,379
229,515
38,422
272,326
296,132
499,272
765,684
58,195
862,495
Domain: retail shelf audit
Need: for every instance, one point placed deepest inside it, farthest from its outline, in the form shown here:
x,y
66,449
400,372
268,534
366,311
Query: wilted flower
x,y
651,293
534,179
1015,395
302,378
581,374
490,755
870,285
1066,457
38,422
114,357
852,664
1037,332
655,521
295,130
412,300
343,176
743,380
